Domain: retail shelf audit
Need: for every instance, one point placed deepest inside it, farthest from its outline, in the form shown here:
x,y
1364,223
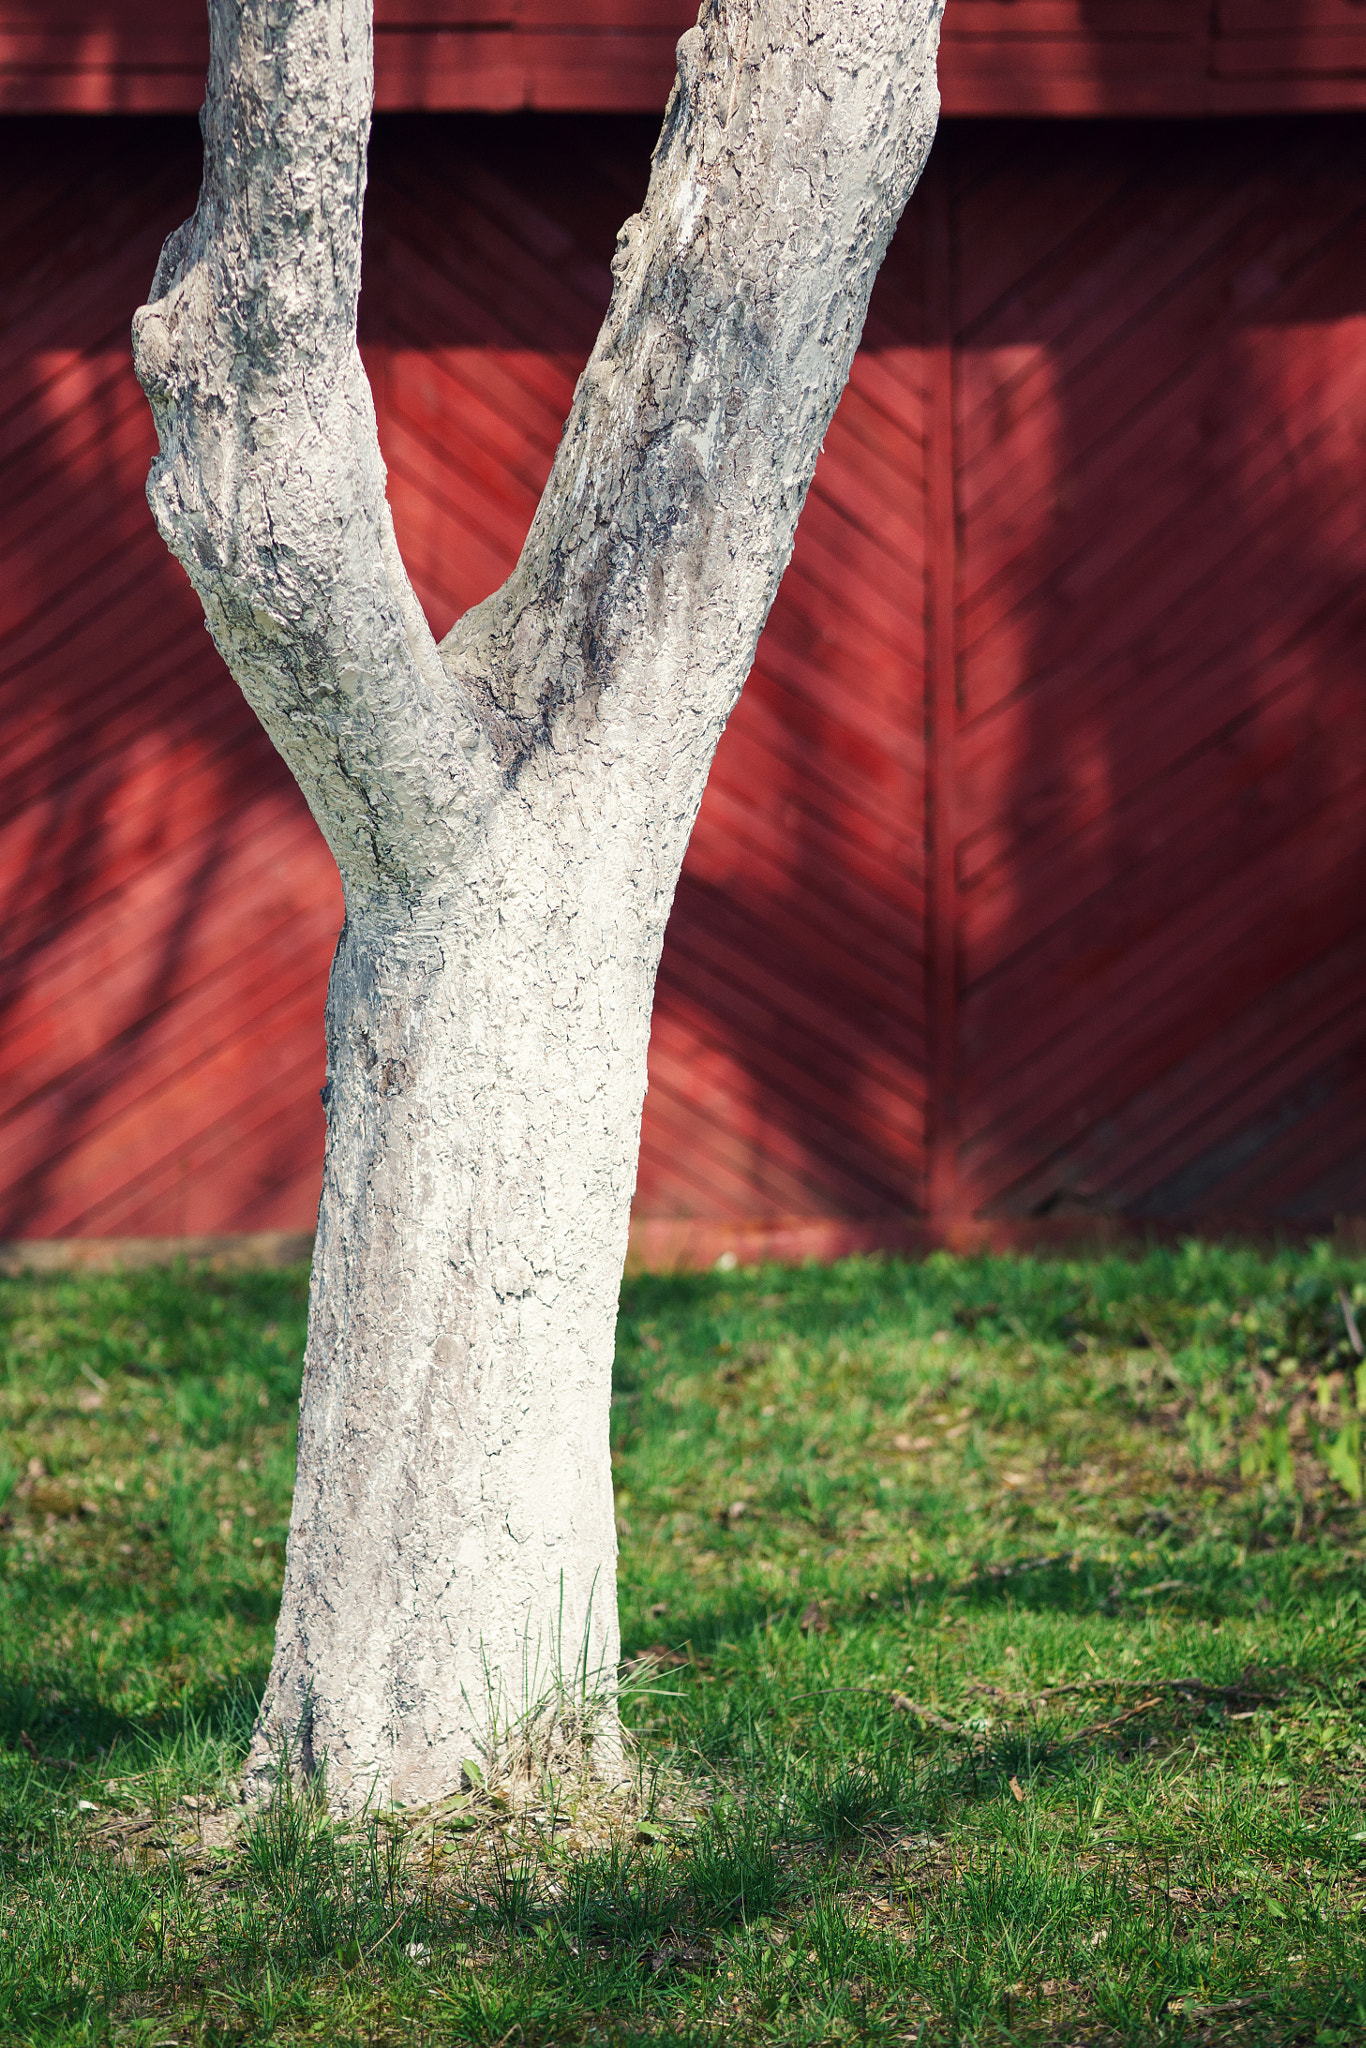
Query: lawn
x,y
993,1639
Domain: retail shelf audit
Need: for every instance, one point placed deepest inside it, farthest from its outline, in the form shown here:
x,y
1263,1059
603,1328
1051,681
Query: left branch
x,y
269,486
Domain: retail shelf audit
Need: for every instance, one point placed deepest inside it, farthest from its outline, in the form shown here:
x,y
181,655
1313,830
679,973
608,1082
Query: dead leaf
x,y
1018,1789
659,1657
813,1621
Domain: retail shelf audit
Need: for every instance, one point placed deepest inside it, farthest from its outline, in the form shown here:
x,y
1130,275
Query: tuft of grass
x,y
993,1654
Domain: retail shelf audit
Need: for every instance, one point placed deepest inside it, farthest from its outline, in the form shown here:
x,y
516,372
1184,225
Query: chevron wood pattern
x,y
999,57
788,1052
1160,370
167,913
1028,886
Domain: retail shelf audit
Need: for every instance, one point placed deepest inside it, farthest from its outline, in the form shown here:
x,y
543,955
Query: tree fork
x,y
509,811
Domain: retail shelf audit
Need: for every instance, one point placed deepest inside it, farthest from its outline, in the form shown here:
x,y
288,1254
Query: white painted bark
x,y
509,811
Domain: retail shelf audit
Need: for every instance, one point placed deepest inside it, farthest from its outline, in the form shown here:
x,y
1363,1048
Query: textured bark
x,y
509,811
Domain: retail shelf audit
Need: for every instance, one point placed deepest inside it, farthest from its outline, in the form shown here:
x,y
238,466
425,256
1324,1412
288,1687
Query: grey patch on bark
x,y
509,811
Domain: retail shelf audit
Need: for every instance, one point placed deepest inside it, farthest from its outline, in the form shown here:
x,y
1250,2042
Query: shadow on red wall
x,y
785,1063
1161,406
1161,368
167,911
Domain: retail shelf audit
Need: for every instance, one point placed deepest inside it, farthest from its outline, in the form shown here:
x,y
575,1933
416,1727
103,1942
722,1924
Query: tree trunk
x,y
509,813
452,1553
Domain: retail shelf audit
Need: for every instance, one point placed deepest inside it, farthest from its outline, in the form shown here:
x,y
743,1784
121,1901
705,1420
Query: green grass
x,y
994,1631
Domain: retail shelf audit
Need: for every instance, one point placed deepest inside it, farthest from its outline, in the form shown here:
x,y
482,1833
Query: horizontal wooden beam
x,y
247,1251
668,1244
999,57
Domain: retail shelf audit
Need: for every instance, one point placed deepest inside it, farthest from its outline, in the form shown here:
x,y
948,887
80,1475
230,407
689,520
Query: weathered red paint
x,y
1000,57
1028,888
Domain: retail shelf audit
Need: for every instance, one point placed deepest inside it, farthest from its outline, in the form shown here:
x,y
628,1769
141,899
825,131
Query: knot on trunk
x,y
169,333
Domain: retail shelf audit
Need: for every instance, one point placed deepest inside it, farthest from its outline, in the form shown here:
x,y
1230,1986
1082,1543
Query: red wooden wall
x,y
788,1053
1159,811
999,57
1028,885
166,912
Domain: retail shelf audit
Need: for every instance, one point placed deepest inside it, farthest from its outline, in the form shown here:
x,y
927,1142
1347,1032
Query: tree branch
x,y
269,487
793,137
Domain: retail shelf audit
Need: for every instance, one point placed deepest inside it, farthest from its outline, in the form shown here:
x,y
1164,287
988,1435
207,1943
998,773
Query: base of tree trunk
x,y
450,1579
509,814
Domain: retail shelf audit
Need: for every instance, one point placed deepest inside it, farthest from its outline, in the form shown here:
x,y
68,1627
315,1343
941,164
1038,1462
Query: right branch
x,y
793,138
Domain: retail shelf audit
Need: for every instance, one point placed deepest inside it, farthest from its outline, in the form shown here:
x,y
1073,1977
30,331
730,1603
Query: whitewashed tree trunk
x,y
509,811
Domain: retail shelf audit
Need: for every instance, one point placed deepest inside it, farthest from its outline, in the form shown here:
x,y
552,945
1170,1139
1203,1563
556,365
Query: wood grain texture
x,y
778,984
1160,396
999,57
167,909
1122,673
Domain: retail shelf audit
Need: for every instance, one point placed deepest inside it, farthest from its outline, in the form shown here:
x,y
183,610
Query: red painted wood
x,y
267,998
1029,881
1174,989
998,57
1199,1101
1162,783
160,891
943,1197
152,831
1264,769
